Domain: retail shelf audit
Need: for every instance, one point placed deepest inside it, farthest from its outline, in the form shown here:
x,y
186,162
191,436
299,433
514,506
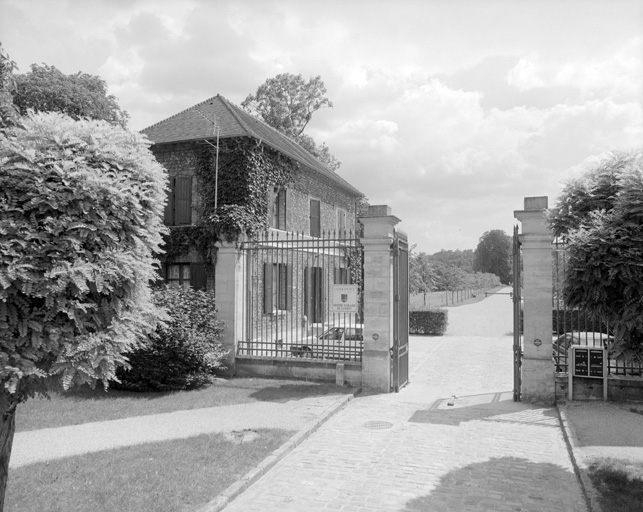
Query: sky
x,y
450,112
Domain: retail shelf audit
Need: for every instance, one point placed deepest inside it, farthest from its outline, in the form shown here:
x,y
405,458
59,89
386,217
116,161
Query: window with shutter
x,y
341,276
198,278
315,217
314,294
183,200
278,209
277,287
178,208
341,223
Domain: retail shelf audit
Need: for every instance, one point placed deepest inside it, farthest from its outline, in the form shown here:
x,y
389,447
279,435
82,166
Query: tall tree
x,y
8,111
600,216
287,102
80,95
81,204
493,255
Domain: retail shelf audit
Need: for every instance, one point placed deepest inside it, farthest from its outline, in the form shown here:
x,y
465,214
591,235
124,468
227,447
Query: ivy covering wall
x,y
248,169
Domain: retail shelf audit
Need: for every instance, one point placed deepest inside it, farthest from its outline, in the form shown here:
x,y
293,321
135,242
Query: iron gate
x,y
400,349
289,308
517,298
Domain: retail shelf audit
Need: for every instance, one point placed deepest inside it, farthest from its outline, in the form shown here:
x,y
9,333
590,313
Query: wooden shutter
x,y
289,287
341,275
272,202
169,205
267,287
198,279
183,200
281,209
315,220
288,212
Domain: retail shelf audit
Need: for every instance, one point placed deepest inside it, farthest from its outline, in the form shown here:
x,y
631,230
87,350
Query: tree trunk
x,y
7,430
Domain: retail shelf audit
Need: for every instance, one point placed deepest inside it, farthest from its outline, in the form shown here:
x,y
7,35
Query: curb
x,y
234,490
589,491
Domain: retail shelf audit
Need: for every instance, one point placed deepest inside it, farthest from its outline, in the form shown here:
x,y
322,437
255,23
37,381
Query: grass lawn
x,y
172,476
87,405
176,475
619,484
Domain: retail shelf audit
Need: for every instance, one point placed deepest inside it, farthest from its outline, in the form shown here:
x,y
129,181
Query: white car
x,y
342,343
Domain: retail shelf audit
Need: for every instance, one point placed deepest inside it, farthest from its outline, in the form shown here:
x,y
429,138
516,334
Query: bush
x,y
184,352
433,321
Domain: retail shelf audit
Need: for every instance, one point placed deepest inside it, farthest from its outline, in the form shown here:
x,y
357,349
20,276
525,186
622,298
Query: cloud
x,y
450,112
525,75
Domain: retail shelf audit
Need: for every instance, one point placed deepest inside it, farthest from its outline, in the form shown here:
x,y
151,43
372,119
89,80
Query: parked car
x,y
343,343
562,343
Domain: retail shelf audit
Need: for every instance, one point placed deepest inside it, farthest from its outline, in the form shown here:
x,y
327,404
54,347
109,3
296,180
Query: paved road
x,y
413,452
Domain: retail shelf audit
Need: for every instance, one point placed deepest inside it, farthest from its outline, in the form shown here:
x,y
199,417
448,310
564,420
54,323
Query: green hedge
x,y
184,352
433,321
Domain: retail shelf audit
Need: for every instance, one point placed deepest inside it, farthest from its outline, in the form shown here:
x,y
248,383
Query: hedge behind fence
x,y
433,321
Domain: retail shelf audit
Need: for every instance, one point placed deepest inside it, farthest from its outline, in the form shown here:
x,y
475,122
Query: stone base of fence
x,y
619,389
290,368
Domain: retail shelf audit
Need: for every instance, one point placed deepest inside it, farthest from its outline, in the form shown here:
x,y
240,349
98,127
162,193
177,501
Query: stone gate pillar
x,y
538,376
379,233
229,289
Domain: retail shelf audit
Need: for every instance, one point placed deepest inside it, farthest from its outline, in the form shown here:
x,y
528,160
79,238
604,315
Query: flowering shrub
x,y
184,352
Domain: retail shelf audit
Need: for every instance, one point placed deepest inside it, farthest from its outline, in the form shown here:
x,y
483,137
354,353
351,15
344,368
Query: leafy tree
x,y
81,204
493,255
80,95
8,111
600,216
287,102
422,275
457,258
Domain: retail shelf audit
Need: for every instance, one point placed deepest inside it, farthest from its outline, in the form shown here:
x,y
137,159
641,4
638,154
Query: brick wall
x,y
181,160
332,198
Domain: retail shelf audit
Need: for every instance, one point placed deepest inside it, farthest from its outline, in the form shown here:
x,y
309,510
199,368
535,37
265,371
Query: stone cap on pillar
x,y
533,216
378,210
379,222
536,203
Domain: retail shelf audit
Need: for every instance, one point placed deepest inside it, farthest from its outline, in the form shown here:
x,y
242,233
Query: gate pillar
x,y
537,367
229,289
379,234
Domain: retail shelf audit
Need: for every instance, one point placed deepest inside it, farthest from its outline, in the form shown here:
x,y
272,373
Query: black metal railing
x,y
295,285
572,326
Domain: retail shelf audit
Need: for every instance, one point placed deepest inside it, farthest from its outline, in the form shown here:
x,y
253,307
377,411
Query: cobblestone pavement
x,y
412,451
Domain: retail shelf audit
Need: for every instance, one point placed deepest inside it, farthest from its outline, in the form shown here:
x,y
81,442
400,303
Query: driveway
x,y
452,440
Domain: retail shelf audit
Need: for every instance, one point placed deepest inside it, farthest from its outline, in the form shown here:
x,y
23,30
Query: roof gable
x,y
195,123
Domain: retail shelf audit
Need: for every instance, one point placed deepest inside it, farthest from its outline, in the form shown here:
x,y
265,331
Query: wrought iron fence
x,y
304,296
573,326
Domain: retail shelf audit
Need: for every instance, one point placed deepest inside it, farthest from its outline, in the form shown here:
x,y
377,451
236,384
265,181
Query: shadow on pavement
x,y
287,392
485,407
502,484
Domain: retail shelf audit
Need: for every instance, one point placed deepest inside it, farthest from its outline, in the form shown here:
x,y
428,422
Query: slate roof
x,y
190,125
